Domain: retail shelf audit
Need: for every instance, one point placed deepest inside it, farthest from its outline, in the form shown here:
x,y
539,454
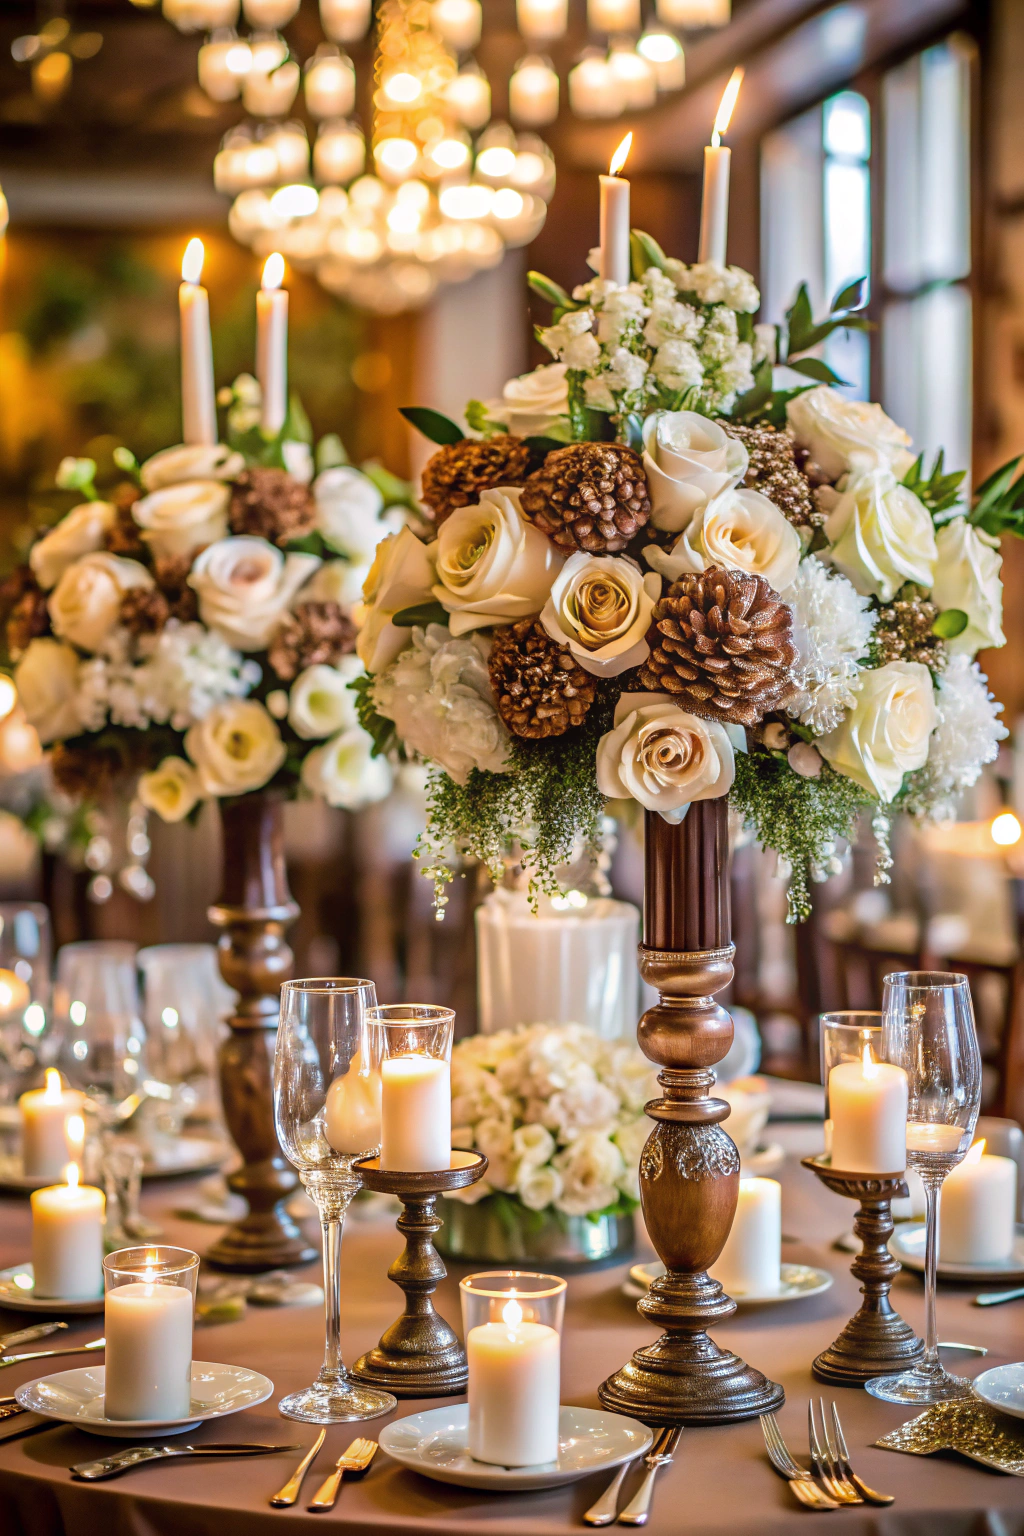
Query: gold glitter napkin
x,y
972,1428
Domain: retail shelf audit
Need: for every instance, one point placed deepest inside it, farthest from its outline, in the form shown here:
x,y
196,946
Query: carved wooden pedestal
x,y
690,1168
254,910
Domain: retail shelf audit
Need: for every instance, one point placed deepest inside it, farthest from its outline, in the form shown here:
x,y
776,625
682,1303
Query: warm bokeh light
x,y
192,261
8,696
619,158
727,105
1006,829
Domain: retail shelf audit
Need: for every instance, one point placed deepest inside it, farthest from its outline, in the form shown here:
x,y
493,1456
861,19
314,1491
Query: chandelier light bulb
x,y
339,154
594,90
272,14
636,77
223,61
508,203
330,84
497,162
345,21
542,20
466,202
403,88
395,158
448,154
293,202
291,148
664,53
694,13
457,23
469,96
533,93
413,194
613,15
200,15
271,93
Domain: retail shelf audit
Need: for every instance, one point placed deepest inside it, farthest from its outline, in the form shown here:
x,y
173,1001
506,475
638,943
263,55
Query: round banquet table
x,y
720,1482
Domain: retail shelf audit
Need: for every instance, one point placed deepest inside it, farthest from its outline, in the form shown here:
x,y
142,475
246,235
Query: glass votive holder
x,y
413,1043
149,1305
513,1324
485,1298
844,1037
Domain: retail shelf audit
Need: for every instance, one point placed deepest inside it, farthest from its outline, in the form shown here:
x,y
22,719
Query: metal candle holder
x,y
419,1355
876,1341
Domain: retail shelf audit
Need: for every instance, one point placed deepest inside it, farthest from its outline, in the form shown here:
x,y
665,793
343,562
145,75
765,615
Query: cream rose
x,y
885,734
842,435
967,577
348,509
81,532
533,403
591,1167
739,530
321,702
663,757
493,566
600,606
172,790
86,602
881,535
337,581
245,586
689,461
214,461
179,519
236,748
345,772
400,577
46,678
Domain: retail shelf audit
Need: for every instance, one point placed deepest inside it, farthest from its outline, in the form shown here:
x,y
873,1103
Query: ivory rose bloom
x,y
321,701
190,461
245,586
81,532
345,772
967,577
493,566
689,460
179,519
172,790
348,511
532,403
236,748
46,678
662,756
885,734
337,581
86,602
881,536
601,606
842,435
739,530
400,577
591,1167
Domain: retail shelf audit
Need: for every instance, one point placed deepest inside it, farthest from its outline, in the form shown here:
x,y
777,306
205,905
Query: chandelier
x,y
440,191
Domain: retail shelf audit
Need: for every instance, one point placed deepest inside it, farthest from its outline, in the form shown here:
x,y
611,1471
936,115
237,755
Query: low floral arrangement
x,y
558,1113
659,572
193,625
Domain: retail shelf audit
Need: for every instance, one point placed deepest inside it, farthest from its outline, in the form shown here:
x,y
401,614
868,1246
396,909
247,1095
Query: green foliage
x,y
478,419
999,503
421,613
378,727
438,428
950,623
938,491
644,253
550,291
396,491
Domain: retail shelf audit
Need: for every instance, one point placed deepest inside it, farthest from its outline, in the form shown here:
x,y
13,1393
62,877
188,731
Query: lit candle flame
x,y
868,1060
512,1314
52,1092
1006,830
618,160
192,261
977,1152
273,271
71,1175
726,106
149,1275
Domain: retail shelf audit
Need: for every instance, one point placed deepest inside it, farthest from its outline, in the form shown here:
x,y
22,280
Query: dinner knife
x,y
49,1354
138,1455
29,1335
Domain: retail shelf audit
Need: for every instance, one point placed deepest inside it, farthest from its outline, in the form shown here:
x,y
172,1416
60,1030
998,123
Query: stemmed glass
x,y
327,1113
930,1033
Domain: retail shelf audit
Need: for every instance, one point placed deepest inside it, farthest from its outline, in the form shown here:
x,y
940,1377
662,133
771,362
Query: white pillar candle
x,y
513,1391
749,1264
67,1239
978,1210
46,1148
148,1328
198,401
416,1114
867,1102
272,344
353,1110
714,208
615,219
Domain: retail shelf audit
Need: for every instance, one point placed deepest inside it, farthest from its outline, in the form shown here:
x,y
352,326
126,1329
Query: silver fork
x,y
842,1457
801,1482
604,1510
831,1479
660,1455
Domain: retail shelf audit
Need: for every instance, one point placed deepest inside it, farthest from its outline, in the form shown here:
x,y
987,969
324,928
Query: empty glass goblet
x,y
327,1112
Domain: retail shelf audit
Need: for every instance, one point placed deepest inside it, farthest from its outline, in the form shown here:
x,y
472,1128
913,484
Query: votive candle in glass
x,y
865,1096
512,1322
150,1301
67,1239
413,1042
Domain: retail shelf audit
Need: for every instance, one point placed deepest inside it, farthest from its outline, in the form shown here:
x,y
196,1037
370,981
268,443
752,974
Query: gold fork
x,y
289,1494
355,1460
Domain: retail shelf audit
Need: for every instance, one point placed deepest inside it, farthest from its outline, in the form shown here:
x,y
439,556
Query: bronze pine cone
x,y
539,686
589,496
456,475
271,504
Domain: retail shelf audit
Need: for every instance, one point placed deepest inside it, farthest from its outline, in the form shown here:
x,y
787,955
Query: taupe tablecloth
x,y
721,1481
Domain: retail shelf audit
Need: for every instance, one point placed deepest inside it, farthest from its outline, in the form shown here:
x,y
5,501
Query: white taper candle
x,y
198,397
272,344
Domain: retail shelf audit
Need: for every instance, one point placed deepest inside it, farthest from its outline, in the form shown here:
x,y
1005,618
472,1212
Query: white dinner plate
x,y
907,1245
17,1291
76,1397
187,1155
798,1281
1003,1387
766,1158
435,1442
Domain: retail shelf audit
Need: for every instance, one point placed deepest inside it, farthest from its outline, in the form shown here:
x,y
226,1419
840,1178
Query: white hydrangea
x,y
966,737
832,625
571,341
186,670
677,366
714,284
621,313
669,320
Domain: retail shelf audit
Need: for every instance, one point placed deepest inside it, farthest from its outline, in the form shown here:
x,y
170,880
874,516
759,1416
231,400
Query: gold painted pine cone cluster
x,y
773,470
540,689
589,496
456,475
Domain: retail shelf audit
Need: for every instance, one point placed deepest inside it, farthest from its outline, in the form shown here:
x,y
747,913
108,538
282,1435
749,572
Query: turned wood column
x,y
689,1168
254,910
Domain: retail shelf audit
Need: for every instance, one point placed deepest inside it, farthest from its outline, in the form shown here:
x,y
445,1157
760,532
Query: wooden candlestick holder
x,y
690,1168
876,1341
419,1355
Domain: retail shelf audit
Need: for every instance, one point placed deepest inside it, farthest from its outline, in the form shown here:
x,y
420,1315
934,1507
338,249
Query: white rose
x,y
46,678
400,577
881,536
662,756
967,577
337,581
493,566
345,772
591,1168
532,1145
739,530
842,434
321,702
179,519
601,606
172,790
81,532
885,734
298,460
187,461
245,586
689,461
586,1105
538,1188
236,748
86,602
348,509
532,404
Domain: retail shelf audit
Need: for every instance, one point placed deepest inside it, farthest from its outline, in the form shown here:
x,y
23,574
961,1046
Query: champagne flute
x,y
930,1033
327,1113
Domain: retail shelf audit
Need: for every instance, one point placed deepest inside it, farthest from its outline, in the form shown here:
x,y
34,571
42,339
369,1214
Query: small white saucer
x,y
188,1154
907,1245
1003,1387
798,1281
76,1397
17,1292
434,1443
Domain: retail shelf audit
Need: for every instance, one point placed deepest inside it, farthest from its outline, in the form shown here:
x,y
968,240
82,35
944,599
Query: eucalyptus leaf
x,y
553,292
950,623
438,428
814,368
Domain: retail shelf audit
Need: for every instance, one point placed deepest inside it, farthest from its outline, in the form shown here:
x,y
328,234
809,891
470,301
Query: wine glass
x,y
930,1033
327,1113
